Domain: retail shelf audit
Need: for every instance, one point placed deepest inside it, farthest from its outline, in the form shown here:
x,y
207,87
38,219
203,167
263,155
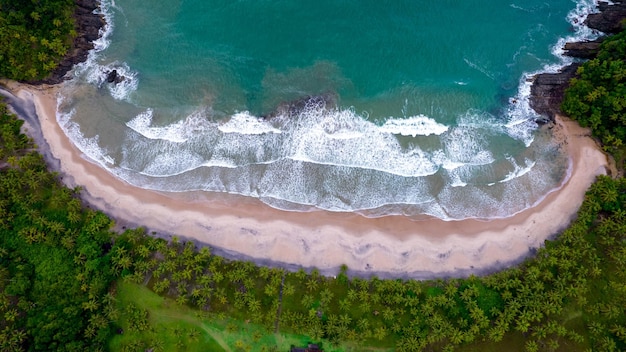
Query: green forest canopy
x,y
34,36
597,97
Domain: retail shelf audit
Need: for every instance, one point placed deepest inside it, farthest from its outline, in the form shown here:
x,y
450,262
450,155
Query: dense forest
x,y
34,36
63,271
55,261
596,97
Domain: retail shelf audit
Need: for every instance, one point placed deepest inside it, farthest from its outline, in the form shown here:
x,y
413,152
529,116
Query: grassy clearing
x,y
148,320
152,321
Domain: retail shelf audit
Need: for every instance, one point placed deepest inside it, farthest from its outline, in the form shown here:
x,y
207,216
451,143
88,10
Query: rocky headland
x,y
547,90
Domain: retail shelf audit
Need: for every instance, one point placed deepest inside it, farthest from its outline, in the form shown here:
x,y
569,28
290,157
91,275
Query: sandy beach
x,y
392,246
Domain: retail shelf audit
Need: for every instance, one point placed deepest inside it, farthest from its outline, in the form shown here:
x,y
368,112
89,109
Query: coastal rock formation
x,y
114,77
583,50
610,19
546,93
88,27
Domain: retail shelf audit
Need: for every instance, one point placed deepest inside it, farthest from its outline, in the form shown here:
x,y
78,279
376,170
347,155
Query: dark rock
x,y
583,50
114,77
89,5
610,19
546,93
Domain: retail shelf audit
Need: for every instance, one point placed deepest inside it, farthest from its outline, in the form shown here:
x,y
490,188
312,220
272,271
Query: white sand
x,y
388,246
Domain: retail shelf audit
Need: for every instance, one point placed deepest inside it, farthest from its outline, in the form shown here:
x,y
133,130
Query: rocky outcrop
x,y
546,93
610,19
583,50
114,77
88,27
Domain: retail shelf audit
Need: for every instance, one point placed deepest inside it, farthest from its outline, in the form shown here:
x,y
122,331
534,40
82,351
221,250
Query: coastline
x,y
392,246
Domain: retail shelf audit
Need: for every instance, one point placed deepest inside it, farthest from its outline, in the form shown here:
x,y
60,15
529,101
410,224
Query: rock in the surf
x,y
114,77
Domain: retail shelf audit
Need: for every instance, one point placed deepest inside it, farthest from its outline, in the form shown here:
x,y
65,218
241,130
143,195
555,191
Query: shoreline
x,y
393,246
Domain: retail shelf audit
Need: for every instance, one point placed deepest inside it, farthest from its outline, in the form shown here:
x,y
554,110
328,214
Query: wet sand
x,y
392,246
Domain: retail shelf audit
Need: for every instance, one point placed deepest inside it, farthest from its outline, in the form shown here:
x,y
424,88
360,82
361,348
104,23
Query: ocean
x,y
415,108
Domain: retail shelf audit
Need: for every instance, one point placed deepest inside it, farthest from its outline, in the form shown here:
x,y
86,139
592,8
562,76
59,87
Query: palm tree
x,y
90,305
122,263
157,345
352,295
344,305
254,305
289,290
363,324
410,344
161,286
388,314
307,301
344,320
74,217
326,296
56,227
311,284
194,335
300,274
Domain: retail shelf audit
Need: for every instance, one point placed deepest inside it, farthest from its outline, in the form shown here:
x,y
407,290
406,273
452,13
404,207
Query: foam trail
x,y
518,171
244,123
88,146
105,32
414,126
178,132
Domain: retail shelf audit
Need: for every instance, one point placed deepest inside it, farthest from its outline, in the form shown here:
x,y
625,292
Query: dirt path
x,y
214,334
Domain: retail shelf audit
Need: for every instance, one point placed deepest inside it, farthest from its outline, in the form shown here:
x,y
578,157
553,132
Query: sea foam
x,y
87,145
178,132
413,126
333,159
245,123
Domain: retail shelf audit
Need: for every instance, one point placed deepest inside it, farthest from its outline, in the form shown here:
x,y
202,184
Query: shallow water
x,y
425,109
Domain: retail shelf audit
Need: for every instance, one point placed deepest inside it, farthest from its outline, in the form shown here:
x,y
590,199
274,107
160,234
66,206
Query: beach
x,y
391,246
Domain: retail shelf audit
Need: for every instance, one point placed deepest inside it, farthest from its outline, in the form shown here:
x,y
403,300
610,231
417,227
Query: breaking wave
x,y
334,158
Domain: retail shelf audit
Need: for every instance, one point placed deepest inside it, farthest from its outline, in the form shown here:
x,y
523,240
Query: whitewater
x,y
345,107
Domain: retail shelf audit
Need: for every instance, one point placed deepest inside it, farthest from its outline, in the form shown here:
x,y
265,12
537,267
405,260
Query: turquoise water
x,y
418,108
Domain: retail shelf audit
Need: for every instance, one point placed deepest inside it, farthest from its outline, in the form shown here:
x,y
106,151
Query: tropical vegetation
x,y
68,282
55,261
34,36
596,98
